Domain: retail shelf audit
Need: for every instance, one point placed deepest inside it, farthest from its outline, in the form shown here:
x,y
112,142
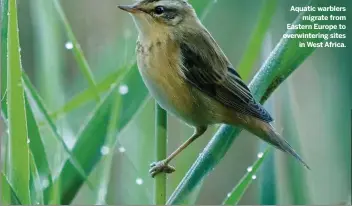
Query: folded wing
x,y
205,66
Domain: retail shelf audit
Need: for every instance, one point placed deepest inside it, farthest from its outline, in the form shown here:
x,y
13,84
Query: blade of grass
x,y
109,147
88,147
37,152
88,95
36,144
236,194
268,182
8,194
3,57
19,151
254,47
94,135
78,53
284,60
35,185
33,95
52,194
161,146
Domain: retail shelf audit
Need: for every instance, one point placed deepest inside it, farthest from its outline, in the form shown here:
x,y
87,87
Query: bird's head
x,y
159,15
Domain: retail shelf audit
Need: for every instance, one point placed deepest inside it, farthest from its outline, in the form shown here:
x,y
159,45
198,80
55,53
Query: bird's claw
x,y
160,167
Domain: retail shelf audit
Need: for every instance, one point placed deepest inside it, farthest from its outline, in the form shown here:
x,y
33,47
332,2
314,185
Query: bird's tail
x,y
269,135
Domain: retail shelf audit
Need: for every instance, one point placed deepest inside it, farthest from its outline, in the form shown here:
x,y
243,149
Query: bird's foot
x,y
159,167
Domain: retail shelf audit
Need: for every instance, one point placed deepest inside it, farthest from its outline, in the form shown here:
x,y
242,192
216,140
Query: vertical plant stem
x,y
18,147
161,147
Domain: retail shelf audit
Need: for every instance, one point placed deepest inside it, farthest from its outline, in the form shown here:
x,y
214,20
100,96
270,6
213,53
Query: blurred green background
x,y
311,108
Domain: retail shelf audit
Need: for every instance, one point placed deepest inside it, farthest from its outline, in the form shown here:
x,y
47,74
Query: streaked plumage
x,y
189,75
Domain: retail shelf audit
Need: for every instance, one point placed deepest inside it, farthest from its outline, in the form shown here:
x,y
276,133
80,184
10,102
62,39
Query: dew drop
x,y
104,150
122,149
260,155
69,45
45,182
28,141
139,181
254,177
123,89
249,169
228,194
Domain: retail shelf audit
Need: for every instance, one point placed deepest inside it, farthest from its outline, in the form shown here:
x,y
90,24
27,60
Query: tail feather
x,y
266,132
276,140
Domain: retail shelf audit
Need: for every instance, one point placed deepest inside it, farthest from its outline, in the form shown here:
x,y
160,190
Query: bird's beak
x,y
129,8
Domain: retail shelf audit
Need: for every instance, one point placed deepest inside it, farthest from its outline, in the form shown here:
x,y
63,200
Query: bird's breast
x,y
158,63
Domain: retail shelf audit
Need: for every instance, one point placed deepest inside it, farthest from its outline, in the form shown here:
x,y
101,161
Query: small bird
x,y
189,75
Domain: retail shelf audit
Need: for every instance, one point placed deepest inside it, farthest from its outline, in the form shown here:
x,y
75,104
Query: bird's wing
x,y
205,66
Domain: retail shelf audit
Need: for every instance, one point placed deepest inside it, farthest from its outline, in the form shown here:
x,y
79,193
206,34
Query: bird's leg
x,y
163,165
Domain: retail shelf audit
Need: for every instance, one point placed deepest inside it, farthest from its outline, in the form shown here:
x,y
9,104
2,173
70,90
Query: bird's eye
x,y
159,10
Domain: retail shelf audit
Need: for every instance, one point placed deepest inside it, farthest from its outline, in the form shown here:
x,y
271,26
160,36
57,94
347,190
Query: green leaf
x,y
36,144
19,151
37,147
253,49
109,147
52,194
3,52
93,134
285,59
87,95
268,181
236,194
35,185
81,60
33,95
8,194
90,142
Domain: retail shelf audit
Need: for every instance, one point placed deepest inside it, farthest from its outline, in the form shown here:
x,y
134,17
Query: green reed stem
x,y
161,148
